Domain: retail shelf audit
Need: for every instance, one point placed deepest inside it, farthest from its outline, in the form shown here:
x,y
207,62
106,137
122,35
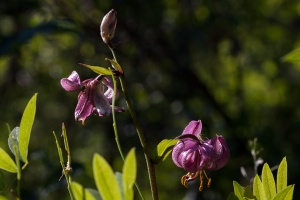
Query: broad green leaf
x,y
268,182
293,56
2,182
163,149
25,127
232,196
77,190
258,189
6,162
92,194
97,69
282,175
285,194
249,192
105,180
3,198
238,190
119,178
115,65
129,174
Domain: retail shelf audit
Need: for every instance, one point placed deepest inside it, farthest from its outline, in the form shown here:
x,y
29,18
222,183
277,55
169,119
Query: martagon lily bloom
x,y
95,95
196,155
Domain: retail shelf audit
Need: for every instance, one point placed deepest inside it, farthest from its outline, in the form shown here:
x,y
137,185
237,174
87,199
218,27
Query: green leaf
x,y
2,182
97,69
25,127
77,190
115,65
293,56
3,198
282,175
91,193
258,189
285,194
232,196
268,182
163,149
129,174
105,180
119,178
6,162
238,190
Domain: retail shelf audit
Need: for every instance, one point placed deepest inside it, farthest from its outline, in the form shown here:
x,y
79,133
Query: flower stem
x,y
116,131
150,164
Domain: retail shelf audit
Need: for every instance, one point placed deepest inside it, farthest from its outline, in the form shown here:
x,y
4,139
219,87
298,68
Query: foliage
x,y
265,188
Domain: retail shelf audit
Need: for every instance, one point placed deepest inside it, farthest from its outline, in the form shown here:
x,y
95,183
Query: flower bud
x,y
108,26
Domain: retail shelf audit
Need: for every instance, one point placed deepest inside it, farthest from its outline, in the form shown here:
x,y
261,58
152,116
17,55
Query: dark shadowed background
x,y
218,61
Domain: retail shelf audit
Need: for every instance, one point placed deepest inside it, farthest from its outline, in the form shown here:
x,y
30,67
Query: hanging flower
x,y
196,155
95,95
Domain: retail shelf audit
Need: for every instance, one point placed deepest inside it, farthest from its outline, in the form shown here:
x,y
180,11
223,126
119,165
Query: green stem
x,y
116,132
150,164
18,197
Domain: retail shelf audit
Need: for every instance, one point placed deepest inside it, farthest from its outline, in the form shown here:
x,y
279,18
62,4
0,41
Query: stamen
x,y
201,181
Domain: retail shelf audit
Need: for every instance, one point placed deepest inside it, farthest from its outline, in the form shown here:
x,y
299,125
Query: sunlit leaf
x,y
238,190
285,194
6,162
3,198
97,69
282,175
25,127
92,194
258,189
115,65
268,182
105,180
163,149
2,182
129,174
293,56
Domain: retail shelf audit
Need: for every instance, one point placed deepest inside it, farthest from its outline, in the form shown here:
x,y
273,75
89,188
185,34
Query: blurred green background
x,y
218,61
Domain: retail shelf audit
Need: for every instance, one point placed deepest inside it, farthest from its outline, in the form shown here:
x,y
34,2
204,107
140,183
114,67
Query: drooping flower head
x,y
196,155
95,95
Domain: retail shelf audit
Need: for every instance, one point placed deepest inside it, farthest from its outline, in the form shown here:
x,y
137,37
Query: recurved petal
x,y
177,150
194,127
191,160
72,83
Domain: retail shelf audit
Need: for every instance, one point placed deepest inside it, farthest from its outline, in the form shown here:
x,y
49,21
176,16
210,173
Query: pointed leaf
x,y
25,127
285,194
163,149
268,182
6,162
282,175
97,69
105,180
129,174
258,189
293,56
77,190
115,65
238,190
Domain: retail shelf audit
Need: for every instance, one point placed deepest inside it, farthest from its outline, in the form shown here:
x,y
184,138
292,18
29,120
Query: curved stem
x,y
150,164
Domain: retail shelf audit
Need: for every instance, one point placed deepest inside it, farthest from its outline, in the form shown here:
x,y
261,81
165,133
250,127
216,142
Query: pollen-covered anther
x,y
188,177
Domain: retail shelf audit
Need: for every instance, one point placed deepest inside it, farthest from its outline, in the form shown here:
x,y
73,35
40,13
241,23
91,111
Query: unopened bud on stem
x,y
108,26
